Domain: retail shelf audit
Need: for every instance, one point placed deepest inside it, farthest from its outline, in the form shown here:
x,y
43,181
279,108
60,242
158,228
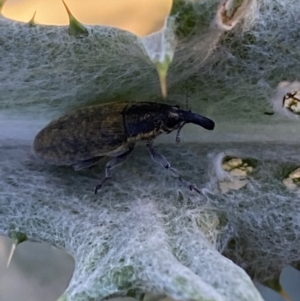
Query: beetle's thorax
x,y
146,121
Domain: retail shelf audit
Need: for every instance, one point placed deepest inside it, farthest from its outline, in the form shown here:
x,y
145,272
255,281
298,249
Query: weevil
x,y
83,137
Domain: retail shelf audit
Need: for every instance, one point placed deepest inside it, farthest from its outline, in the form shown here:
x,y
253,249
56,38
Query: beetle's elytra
x,y
81,138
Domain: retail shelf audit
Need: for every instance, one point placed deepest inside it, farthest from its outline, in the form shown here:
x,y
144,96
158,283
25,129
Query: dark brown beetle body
x,y
81,138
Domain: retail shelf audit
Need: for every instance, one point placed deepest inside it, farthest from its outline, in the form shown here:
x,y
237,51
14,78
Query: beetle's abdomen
x,y
82,135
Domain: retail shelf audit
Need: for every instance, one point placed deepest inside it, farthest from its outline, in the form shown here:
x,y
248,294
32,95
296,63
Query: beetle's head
x,y
177,118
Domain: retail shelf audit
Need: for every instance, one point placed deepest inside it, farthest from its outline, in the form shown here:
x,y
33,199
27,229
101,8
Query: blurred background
x,y
36,272
139,17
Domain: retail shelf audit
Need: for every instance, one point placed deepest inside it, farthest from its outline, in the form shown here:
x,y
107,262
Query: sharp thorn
x,y
11,253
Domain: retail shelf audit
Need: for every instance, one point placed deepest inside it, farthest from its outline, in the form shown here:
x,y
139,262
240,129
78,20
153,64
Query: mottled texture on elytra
x,y
81,135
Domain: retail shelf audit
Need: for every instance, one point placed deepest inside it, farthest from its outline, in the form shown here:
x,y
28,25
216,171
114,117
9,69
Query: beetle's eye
x,y
173,115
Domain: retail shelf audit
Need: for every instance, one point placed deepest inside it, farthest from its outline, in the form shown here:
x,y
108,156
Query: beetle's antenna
x,y
187,99
178,132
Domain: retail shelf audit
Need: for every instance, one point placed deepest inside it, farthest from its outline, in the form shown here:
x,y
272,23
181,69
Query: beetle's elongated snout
x,y
190,117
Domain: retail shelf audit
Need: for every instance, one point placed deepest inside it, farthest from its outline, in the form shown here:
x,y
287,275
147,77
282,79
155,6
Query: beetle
x,y
83,137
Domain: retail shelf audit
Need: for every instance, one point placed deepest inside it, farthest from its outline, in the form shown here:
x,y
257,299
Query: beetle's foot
x,y
99,186
195,188
189,185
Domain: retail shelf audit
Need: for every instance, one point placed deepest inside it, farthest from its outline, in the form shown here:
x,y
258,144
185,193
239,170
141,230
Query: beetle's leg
x,y
113,163
87,163
158,158
162,161
178,132
184,182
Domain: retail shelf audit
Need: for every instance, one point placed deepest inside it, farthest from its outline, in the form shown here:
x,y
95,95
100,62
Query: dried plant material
x,y
286,98
291,101
232,163
295,174
237,167
226,186
230,12
237,170
293,180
